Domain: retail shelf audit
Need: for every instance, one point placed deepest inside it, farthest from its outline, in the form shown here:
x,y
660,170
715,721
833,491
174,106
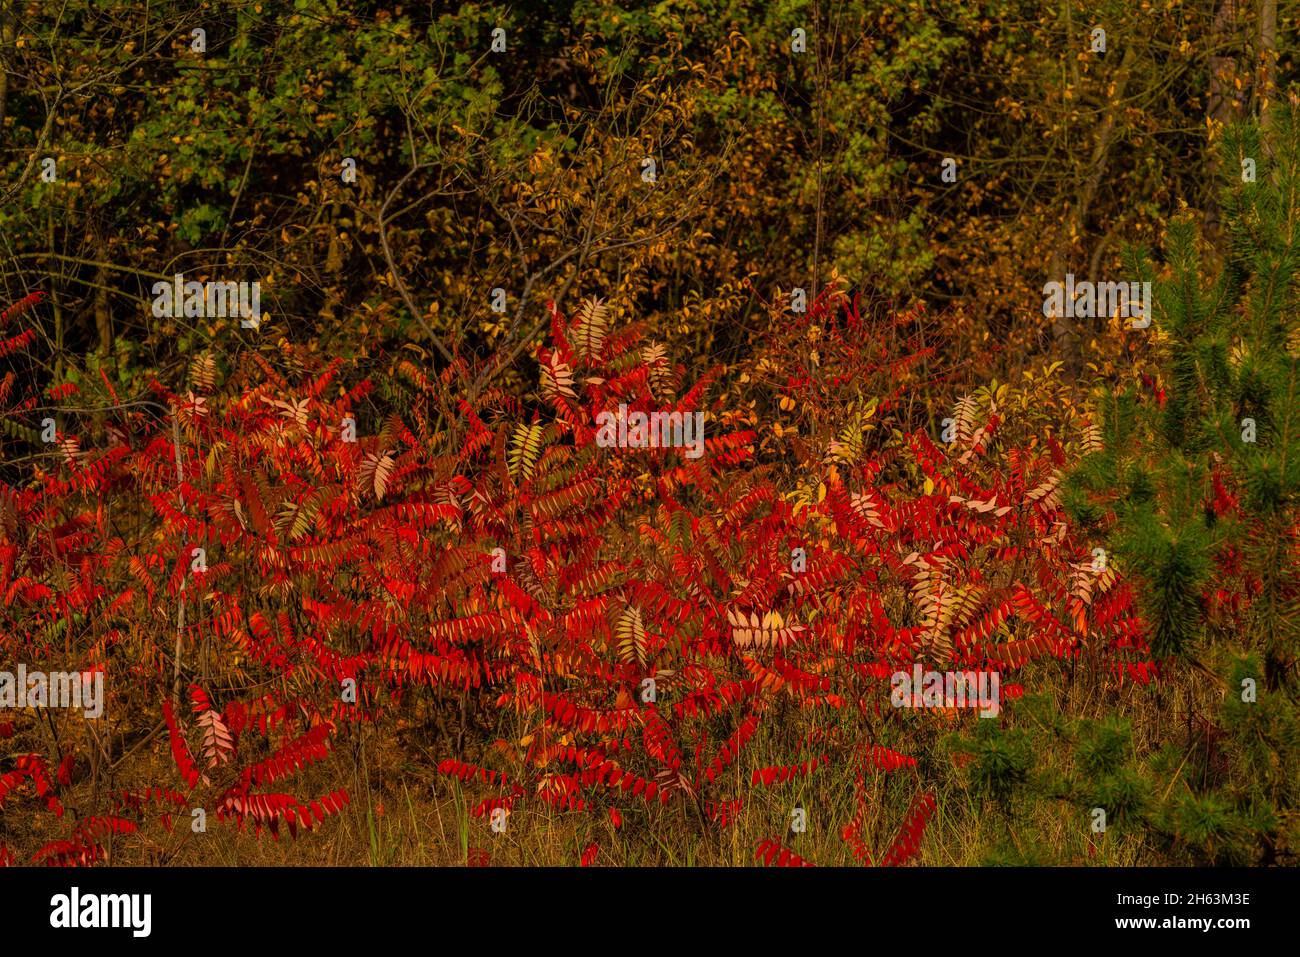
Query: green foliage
x,y
1229,371
1002,761
1199,498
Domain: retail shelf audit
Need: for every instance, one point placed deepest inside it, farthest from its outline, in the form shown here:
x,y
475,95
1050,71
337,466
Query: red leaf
x,y
180,750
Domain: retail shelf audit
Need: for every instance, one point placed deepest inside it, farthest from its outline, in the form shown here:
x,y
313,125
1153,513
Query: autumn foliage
x,y
616,628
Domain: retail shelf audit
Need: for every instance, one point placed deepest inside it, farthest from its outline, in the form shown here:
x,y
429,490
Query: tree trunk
x,y
1064,334
103,316
1266,91
1222,105
7,34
